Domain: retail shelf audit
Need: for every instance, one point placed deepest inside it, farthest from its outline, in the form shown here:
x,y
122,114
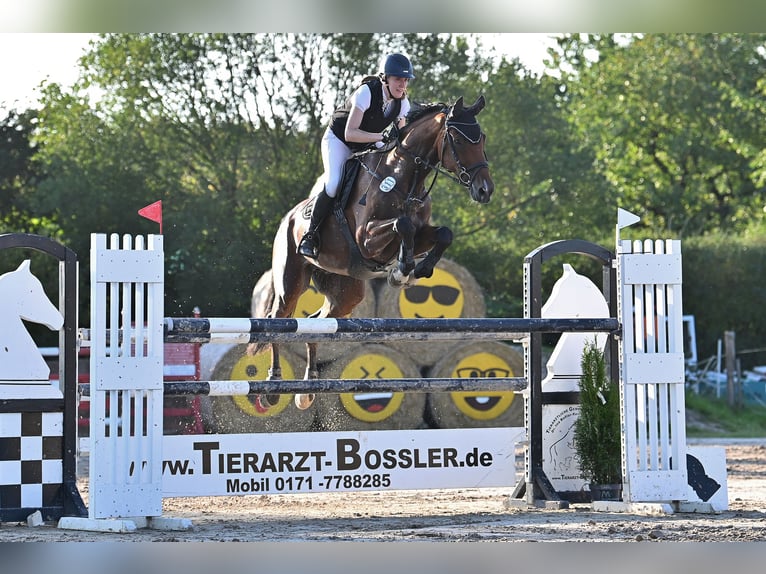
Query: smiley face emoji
x,y
481,405
437,297
371,407
256,368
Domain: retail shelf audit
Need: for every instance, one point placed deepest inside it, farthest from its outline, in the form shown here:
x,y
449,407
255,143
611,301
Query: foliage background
x,y
225,129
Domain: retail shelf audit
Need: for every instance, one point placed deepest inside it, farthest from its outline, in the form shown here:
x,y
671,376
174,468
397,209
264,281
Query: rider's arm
x,y
361,103
401,121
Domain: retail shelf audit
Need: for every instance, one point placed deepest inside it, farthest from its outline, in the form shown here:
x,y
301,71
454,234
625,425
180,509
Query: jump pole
x,y
145,456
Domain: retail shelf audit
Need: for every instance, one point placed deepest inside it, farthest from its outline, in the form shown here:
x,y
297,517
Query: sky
x,y
27,59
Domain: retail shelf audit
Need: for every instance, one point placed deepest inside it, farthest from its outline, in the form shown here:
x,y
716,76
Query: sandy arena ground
x,y
441,516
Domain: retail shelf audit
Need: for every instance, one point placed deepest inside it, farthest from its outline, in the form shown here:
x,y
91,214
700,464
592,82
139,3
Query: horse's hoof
x,y
423,272
302,402
397,279
265,402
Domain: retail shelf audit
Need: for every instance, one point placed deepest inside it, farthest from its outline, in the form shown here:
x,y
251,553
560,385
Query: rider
x,y
360,121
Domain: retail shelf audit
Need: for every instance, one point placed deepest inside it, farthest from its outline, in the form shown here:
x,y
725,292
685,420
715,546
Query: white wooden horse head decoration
x,y
22,298
573,296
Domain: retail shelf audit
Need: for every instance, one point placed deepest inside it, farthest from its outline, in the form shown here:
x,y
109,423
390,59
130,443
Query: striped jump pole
x,y
249,330
295,386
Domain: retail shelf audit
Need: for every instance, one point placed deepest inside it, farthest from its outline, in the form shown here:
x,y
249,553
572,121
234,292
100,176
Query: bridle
x,y
464,175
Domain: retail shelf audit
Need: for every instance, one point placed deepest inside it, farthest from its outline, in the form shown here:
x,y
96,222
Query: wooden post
x,y
731,361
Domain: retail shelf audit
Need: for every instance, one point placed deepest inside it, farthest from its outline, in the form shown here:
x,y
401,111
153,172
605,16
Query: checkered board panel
x,y
31,459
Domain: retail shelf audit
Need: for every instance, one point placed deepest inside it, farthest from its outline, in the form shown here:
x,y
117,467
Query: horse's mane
x,y
419,110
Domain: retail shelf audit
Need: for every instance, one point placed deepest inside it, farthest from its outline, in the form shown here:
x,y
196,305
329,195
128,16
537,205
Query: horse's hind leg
x,y
290,280
305,400
342,295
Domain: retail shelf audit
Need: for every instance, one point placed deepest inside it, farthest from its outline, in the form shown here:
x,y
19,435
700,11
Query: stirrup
x,y
308,247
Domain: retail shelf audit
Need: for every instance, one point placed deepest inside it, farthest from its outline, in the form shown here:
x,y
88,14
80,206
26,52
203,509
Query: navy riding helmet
x,y
399,66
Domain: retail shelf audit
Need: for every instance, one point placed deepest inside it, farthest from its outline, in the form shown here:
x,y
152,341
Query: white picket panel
x,y
126,366
652,371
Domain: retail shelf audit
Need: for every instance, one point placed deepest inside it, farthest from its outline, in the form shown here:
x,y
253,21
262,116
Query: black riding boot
x,y
309,245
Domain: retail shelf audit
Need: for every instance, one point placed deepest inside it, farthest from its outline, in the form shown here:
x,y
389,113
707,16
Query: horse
x,y
22,298
380,222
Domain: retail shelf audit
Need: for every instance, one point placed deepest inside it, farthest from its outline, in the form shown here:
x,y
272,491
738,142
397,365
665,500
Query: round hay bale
x,y
328,350
308,303
209,356
244,414
259,301
371,411
451,293
477,409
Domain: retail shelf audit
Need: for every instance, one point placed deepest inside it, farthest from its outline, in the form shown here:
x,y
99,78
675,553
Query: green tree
x,y
545,189
666,118
224,128
19,174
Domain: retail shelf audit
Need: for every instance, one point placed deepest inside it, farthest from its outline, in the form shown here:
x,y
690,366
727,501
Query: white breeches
x,y
334,156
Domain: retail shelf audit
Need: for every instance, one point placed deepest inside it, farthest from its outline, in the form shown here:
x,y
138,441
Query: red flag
x,y
153,212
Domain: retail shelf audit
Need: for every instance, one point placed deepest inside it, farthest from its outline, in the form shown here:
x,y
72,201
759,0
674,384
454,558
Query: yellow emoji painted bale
x,y
482,359
450,293
238,414
376,410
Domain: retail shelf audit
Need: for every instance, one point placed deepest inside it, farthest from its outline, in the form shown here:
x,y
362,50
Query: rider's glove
x,y
392,134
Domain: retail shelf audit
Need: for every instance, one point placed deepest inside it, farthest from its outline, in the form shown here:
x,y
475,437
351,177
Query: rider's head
x,y
397,72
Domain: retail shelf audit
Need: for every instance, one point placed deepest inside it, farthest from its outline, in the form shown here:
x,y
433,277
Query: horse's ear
x,y
24,265
478,105
457,108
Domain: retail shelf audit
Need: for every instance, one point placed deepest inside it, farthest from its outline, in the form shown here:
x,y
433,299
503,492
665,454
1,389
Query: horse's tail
x,y
260,306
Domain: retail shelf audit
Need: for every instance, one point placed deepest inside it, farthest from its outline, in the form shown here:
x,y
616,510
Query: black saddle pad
x,y
350,171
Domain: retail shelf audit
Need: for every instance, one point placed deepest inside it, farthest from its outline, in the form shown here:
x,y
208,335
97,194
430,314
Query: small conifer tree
x,y
597,430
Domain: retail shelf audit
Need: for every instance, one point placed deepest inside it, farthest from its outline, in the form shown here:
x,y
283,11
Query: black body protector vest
x,y
373,120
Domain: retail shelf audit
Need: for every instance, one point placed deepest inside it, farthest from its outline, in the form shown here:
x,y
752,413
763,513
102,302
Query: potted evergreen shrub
x,y
597,430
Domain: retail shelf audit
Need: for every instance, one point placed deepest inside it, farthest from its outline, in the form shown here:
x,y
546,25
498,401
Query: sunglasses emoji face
x,y
437,297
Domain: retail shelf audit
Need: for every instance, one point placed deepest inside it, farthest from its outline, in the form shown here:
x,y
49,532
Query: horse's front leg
x,y
405,229
437,239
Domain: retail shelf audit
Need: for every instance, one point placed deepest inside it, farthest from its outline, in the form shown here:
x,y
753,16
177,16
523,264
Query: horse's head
x,y
24,297
465,139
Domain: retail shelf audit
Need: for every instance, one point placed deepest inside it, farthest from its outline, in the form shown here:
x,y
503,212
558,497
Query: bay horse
x,y
380,222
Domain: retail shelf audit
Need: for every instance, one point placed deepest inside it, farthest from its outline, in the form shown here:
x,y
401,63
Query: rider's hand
x,y
379,144
392,134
